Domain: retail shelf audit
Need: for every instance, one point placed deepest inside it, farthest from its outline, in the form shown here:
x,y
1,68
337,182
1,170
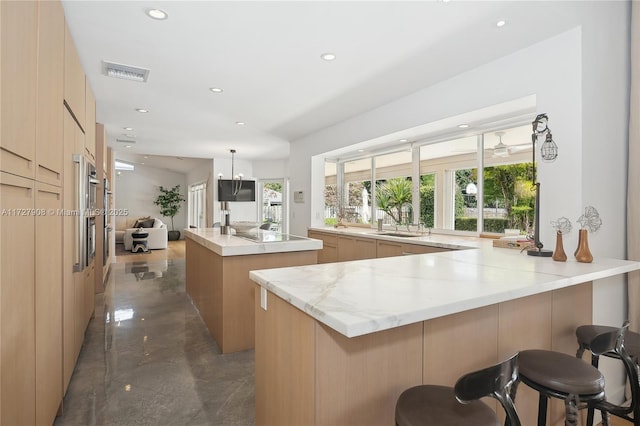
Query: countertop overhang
x,y
231,245
361,297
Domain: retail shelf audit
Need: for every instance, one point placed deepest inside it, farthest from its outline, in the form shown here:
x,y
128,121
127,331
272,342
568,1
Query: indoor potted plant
x,y
170,201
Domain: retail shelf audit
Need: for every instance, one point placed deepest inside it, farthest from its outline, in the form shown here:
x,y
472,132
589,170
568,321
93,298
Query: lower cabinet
x,y
48,303
354,248
340,248
17,297
329,252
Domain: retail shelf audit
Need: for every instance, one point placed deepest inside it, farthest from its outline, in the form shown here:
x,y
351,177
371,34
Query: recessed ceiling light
x,y
146,156
129,135
157,14
361,150
463,126
127,128
240,123
216,89
328,56
127,146
142,110
403,140
501,23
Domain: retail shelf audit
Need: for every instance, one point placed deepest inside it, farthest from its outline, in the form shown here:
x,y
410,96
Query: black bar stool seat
x,y
558,375
620,343
586,333
443,408
433,405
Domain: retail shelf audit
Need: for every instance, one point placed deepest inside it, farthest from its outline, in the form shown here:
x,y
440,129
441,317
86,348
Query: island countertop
x,y
361,297
232,245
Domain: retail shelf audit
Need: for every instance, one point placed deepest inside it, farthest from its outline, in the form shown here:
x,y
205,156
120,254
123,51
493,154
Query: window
x,y
394,188
444,184
449,167
508,200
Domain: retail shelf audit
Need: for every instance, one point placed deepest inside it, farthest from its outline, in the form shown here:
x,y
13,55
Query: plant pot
x,y
173,235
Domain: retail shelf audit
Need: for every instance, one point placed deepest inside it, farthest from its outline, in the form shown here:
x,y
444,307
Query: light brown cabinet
x,y
38,343
18,73
73,143
329,252
340,248
355,248
17,315
50,93
389,249
74,80
90,125
48,303
220,287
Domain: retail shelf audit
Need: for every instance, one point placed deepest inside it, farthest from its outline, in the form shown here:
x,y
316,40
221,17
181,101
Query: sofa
x,y
157,230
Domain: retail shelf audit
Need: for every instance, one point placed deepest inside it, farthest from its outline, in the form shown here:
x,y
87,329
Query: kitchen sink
x,y
399,234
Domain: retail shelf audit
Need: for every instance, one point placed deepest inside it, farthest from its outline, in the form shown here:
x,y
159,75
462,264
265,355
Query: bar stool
x,y
445,406
617,343
558,375
586,333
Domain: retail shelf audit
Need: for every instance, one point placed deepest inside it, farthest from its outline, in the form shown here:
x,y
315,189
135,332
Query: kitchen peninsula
x,y
217,277
337,343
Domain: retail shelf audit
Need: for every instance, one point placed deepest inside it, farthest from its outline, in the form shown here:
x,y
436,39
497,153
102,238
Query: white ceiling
x,y
266,57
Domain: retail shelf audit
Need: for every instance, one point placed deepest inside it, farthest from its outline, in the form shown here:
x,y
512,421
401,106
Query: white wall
x,y
581,80
137,190
271,169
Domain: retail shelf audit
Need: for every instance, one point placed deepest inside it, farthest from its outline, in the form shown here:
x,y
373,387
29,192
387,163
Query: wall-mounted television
x,y
247,191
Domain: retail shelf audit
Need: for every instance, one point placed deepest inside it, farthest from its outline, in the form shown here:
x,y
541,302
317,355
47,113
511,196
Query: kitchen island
x,y
337,343
217,277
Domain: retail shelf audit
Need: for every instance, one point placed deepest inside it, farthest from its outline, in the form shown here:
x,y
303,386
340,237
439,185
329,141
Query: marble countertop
x,y
454,242
231,245
365,296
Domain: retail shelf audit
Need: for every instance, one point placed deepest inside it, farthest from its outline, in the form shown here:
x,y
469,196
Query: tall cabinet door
x,y
18,48
73,144
17,328
50,93
48,302
74,84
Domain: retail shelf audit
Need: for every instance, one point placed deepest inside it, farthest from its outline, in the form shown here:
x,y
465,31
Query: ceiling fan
x,y
503,150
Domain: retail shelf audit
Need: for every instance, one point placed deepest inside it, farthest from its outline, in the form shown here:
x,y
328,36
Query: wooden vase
x,y
583,254
558,254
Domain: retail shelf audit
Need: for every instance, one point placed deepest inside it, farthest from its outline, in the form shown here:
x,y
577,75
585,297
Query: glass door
x,y
197,205
273,204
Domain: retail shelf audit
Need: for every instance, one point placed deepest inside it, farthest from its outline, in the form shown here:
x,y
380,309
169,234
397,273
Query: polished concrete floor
x,y
149,360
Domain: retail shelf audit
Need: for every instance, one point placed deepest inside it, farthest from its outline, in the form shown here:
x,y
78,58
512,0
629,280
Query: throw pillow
x,y
147,223
157,223
141,222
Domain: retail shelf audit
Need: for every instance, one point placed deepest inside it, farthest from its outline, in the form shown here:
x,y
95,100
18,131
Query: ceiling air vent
x,y
125,141
126,72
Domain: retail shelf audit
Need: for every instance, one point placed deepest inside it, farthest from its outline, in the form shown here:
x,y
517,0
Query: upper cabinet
x,y
74,80
90,125
49,125
18,74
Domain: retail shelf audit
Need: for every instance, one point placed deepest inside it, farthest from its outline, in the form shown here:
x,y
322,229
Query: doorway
x,y
272,197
